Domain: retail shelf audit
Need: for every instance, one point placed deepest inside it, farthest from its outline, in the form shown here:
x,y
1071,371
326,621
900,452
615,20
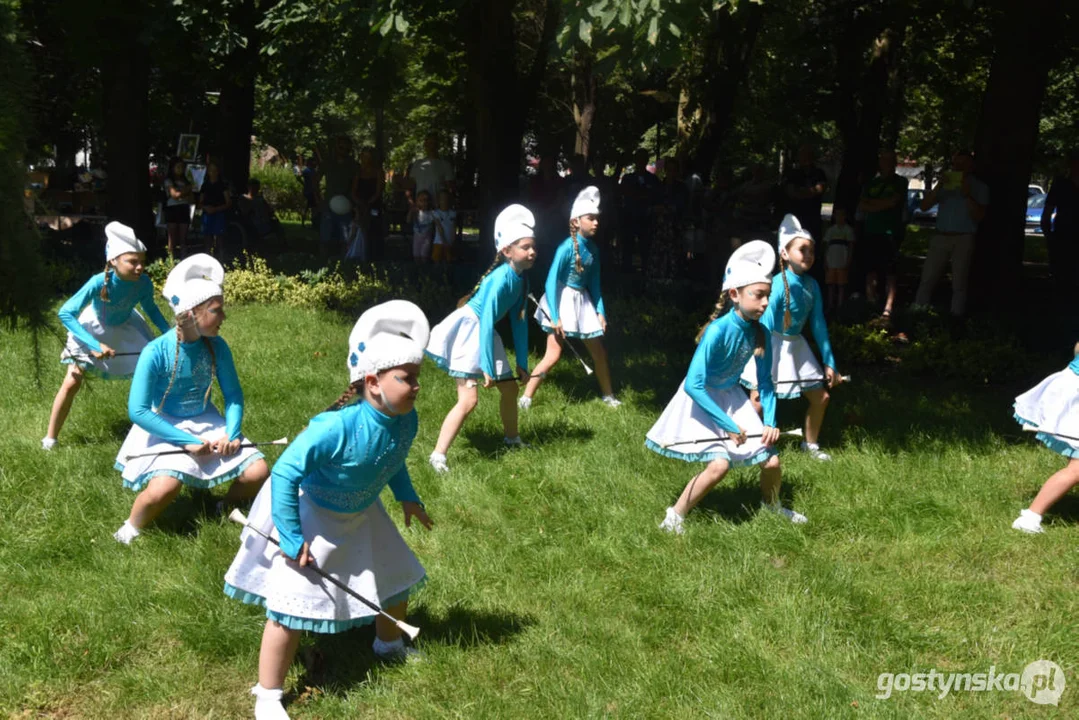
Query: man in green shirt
x,y
882,204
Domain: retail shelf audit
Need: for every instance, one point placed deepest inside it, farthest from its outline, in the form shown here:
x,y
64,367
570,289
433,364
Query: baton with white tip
x,y
797,432
412,631
587,370
806,381
279,441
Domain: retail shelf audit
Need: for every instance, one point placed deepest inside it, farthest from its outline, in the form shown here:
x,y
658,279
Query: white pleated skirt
x,y
686,432
1053,406
364,550
455,347
129,336
575,310
792,360
197,472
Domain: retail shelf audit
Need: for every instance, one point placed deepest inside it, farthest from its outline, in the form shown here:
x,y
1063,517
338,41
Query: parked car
x,y
914,208
1035,207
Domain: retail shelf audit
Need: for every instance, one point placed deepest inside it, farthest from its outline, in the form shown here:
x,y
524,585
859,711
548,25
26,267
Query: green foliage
x,y
250,280
281,188
22,292
159,270
984,354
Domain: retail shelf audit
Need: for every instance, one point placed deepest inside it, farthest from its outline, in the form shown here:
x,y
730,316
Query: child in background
x,y
839,249
795,302
572,306
445,229
423,226
466,344
102,321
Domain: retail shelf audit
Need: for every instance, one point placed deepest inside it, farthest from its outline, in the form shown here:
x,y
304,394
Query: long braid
x,y
762,338
574,227
354,390
105,287
175,365
494,263
721,306
786,294
213,370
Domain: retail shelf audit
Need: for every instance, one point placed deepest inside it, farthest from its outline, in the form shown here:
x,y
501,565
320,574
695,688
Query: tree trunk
x,y
584,101
236,105
864,103
1027,45
502,101
126,81
727,52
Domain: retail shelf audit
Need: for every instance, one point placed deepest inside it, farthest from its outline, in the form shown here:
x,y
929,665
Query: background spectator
x,y
882,203
961,199
215,200
179,197
1063,232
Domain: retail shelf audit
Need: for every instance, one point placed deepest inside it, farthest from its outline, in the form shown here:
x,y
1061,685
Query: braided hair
x,y
574,228
105,286
494,264
719,309
783,264
176,365
354,390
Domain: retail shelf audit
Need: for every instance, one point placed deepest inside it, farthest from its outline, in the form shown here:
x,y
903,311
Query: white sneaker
x,y
612,401
395,652
438,462
268,703
814,450
1028,522
516,442
126,533
48,443
795,517
672,523
525,402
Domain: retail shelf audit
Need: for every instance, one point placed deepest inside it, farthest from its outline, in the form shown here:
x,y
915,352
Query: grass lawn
x,y
551,591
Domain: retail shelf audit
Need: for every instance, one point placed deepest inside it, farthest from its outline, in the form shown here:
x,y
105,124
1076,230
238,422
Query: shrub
x,y
250,280
281,188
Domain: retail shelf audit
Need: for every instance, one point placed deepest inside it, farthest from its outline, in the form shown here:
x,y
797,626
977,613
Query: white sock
x,y
48,443
383,648
268,703
126,533
1031,514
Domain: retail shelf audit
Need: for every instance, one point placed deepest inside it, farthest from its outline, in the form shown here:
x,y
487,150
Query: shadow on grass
x,y
737,497
537,434
340,662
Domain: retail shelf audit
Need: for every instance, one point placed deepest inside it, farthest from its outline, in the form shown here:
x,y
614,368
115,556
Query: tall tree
x,y
1029,36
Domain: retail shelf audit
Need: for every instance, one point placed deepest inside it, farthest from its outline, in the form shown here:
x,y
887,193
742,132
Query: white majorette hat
x,y
587,203
789,229
120,239
194,281
750,263
391,334
512,224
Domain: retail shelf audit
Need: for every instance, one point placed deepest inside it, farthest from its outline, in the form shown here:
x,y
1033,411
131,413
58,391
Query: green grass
x,y
551,592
